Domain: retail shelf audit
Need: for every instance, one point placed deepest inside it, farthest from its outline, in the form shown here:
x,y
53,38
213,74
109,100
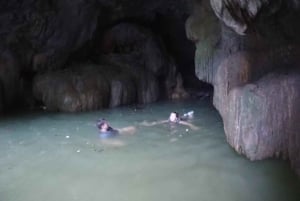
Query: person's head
x,y
102,125
174,117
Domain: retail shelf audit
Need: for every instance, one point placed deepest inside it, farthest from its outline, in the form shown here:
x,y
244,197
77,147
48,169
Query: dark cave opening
x,y
56,38
169,31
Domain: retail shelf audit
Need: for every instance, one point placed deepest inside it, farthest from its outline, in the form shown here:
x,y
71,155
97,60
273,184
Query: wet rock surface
x,y
262,118
44,33
255,76
47,37
128,71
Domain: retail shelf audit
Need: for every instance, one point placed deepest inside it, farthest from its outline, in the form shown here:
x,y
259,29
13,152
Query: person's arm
x,y
189,125
129,130
145,123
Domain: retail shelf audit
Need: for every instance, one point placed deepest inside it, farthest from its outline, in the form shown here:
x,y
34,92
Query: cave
x,y
47,49
81,56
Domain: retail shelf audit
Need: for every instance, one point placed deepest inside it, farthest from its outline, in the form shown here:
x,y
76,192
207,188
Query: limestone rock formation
x,y
131,62
262,118
179,91
40,37
94,87
39,31
239,14
132,40
203,28
255,76
136,46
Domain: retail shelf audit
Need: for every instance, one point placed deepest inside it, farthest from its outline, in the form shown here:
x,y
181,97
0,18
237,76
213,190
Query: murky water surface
x,y
51,157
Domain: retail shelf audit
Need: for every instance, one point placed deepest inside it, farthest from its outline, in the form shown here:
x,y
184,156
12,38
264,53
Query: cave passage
x,y
58,156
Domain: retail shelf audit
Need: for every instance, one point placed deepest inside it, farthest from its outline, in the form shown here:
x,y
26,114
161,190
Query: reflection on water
x,y
58,157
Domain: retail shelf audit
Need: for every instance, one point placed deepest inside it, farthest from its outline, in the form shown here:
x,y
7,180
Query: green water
x,y
39,163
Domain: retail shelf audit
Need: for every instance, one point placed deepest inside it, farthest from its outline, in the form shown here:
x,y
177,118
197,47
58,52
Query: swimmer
x,y
106,131
175,119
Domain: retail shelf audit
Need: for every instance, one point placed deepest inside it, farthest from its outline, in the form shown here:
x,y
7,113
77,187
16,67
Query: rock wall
x,y
48,37
262,118
249,51
127,73
9,79
39,36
